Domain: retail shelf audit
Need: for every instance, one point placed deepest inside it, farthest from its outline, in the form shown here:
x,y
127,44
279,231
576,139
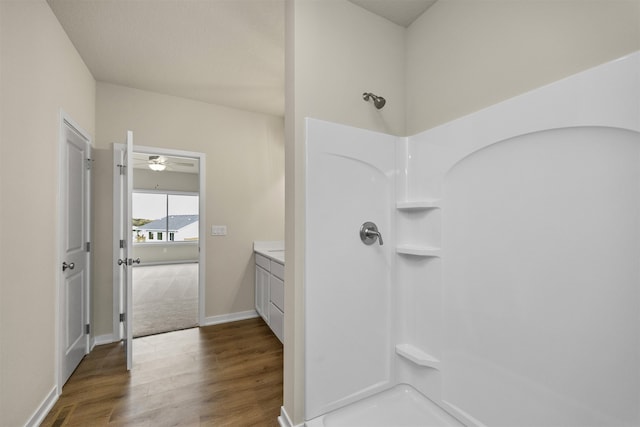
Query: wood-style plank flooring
x,y
222,375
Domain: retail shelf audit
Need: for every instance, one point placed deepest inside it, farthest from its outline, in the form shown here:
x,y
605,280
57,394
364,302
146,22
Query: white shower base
x,y
400,406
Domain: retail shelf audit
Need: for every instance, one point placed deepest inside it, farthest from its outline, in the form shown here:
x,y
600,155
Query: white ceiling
x,y
225,52
402,12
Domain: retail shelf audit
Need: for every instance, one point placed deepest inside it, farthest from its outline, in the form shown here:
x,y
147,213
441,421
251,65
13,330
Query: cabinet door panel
x,y
277,322
276,289
262,293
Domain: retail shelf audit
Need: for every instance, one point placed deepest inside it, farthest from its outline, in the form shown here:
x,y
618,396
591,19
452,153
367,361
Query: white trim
x,y
202,224
65,119
117,188
231,317
104,339
169,192
152,263
284,420
43,409
89,238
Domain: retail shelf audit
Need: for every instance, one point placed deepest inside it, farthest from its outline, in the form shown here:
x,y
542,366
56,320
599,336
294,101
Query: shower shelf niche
x,y
422,251
418,204
417,356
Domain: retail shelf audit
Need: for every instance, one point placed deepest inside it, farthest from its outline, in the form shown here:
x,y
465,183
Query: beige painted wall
x,y
146,179
336,51
40,74
464,55
244,184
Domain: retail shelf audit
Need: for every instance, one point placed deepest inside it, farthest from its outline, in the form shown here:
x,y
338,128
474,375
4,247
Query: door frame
x,y
117,297
67,120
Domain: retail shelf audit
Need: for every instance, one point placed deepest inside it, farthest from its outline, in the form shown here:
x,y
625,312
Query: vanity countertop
x,y
273,250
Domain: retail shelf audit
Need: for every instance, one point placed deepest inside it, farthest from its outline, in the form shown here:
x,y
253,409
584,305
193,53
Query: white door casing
x,y
73,290
127,236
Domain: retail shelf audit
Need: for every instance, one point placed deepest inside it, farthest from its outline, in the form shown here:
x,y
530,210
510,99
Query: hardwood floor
x,y
222,375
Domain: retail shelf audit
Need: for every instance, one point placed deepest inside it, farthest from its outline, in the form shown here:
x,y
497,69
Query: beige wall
x,y
244,185
464,55
335,52
160,253
146,179
40,74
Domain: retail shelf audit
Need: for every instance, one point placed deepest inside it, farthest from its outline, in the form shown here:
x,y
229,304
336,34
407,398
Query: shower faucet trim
x,y
369,234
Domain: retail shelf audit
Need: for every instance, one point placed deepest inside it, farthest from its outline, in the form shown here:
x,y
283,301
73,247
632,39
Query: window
x,y
165,217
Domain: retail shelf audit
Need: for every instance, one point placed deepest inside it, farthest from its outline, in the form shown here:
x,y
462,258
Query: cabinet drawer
x,y
276,287
262,261
277,269
276,322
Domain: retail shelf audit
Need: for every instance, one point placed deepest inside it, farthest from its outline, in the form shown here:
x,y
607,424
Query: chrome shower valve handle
x,y
369,234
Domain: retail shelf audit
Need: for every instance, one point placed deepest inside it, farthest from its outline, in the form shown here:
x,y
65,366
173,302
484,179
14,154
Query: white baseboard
x,y
102,339
284,419
44,408
231,317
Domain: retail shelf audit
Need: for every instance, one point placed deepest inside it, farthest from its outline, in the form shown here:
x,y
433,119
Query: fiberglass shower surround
x,y
507,290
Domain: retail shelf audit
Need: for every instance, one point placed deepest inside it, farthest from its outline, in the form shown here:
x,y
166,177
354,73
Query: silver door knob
x,y
70,266
134,261
121,261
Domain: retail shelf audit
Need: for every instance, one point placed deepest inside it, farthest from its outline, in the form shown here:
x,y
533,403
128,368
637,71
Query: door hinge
x,y
122,317
122,244
89,163
88,248
87,329
122,169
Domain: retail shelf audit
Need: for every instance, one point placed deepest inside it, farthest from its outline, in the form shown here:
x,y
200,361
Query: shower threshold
x,y
400,406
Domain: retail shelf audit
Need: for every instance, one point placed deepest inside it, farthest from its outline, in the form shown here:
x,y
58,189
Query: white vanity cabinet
x,y
270,293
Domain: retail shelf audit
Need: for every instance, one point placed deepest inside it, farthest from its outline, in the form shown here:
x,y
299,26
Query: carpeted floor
x,y
165,298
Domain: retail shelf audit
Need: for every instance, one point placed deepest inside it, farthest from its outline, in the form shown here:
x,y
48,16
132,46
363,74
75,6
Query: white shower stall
x,y
507,290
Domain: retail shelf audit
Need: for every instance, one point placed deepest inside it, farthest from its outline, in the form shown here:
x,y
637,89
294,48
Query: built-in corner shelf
x,y
413,205
417,356
415,250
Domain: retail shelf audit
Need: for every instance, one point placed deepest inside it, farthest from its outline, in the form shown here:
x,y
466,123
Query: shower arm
x,y
378,101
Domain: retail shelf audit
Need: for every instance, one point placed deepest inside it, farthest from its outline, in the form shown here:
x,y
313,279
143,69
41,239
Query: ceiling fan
x,y
160,163
157,163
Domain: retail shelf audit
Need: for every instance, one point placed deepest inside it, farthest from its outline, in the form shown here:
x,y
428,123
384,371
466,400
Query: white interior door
x,y
74,263
123,183
126,260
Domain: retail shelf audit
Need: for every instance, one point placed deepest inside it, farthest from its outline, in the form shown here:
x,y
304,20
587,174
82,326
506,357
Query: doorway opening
x,y
165,237
165,240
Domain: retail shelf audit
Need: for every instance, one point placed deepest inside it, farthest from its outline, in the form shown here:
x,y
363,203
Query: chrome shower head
x,y
378,101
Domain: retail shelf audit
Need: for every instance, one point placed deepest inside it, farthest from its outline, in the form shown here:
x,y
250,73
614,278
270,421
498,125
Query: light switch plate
x,y
218,230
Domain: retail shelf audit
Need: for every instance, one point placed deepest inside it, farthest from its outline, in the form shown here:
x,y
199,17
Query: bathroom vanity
x,y
269,285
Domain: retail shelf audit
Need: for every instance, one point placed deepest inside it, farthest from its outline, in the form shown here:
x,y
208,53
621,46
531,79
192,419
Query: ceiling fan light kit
x,y
157,167
157,163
